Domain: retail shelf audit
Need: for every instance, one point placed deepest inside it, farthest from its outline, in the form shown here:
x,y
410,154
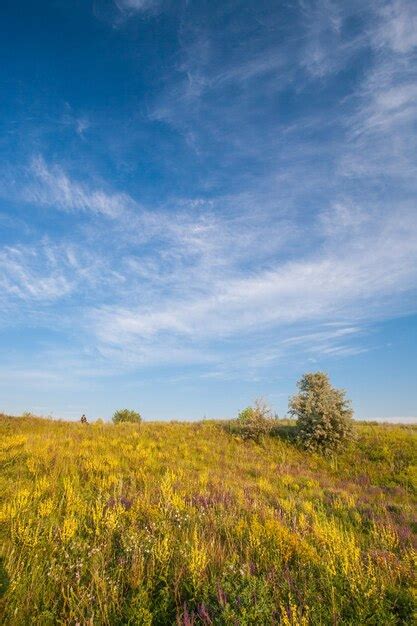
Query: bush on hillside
x,y
126,415
254,422
324,415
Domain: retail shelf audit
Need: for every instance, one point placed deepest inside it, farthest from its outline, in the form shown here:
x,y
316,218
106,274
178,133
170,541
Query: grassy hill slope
x,y
187,524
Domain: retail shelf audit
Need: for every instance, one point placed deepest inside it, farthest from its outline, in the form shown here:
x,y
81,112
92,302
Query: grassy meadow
x,y
174,523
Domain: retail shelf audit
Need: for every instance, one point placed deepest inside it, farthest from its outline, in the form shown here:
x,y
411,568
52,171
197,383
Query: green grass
x,y
188,524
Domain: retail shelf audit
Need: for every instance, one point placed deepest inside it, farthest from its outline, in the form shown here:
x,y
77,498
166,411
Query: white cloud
x,y
398,27
322,24
381,145
359,278
163,286
342,216
138,6
48,271
31,273
51,186
323,336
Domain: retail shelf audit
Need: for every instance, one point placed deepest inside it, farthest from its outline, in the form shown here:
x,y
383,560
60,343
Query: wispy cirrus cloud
x,y
381,136
51,186
377,265
48,272
322,22
397,27
166,284
33,273
138,6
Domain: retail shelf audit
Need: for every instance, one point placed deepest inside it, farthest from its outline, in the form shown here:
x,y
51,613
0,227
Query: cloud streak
x,y
297,291
52,187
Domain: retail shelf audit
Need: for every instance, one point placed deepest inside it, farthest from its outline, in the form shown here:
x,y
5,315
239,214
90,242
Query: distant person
x,y
83,419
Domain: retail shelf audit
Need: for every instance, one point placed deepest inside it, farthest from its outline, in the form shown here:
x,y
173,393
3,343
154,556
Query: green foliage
x,y
246,415
324,415
126,415
254,422
183,524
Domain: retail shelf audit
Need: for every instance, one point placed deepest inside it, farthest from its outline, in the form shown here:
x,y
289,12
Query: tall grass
x,y
188,524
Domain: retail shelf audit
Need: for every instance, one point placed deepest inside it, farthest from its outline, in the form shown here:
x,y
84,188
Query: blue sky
x,y
200,201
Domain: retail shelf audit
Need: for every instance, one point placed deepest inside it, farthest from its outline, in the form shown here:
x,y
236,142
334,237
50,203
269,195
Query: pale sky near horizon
x,y
202,200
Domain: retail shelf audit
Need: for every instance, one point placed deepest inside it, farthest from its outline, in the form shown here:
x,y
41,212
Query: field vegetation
x,y
174,523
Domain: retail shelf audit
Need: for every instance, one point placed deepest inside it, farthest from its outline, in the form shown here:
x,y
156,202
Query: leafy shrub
x,y
254,422
324,415
126,415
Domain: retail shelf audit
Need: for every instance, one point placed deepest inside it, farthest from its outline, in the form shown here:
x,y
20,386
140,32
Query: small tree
x,y
126,415
324,415
254,422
